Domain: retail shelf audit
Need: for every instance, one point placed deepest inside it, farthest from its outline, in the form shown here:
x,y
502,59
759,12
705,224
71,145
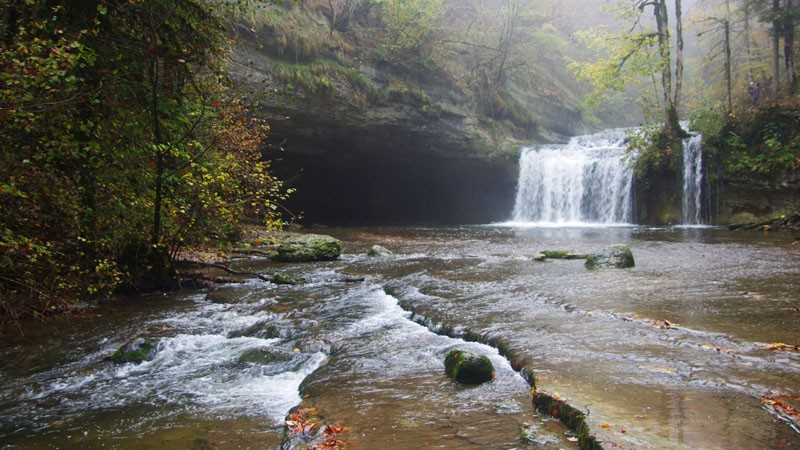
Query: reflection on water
x,y
672,353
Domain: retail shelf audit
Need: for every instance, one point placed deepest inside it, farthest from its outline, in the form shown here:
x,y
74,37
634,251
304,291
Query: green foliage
x,y
627,61
117,133
653,150
411,27
293,31
763,143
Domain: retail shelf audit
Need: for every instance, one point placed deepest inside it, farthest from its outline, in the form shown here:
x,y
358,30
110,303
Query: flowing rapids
x,y
673,353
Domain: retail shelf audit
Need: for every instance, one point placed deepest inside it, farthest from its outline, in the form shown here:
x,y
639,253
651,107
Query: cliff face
x,y
748,200
364,143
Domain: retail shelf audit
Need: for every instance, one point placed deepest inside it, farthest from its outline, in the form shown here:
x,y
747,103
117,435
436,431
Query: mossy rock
x,y
136,351
379,251
555,254
262,356
282,278
570,416
468,368
563,254
616,256
309,248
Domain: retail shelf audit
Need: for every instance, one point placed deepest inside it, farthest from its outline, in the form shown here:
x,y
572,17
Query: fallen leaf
x,y
780,346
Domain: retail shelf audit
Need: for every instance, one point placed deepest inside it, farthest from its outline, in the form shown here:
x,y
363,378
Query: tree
x,y
782,16
633,52
342,11
722,25
120,143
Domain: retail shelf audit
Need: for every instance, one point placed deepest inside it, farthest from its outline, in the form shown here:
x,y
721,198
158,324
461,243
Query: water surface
x,y
670,354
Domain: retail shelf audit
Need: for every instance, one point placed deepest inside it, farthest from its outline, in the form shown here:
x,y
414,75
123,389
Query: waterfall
x,y
692,180
588,180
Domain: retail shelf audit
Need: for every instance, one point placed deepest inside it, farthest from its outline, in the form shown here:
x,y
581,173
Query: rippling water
x,y
670,354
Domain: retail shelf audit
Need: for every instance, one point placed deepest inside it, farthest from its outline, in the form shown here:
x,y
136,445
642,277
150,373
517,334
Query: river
x,y
670,354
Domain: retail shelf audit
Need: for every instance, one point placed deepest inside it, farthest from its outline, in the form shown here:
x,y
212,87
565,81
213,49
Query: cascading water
x,y
588,180
692,180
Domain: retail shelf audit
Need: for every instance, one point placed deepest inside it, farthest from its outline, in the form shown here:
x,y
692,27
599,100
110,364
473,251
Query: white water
x,y
587,180
692,180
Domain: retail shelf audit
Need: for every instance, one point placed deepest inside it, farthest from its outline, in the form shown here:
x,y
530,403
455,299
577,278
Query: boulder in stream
x,y
379,251
309,248
136,351
282,278
616,256
468,368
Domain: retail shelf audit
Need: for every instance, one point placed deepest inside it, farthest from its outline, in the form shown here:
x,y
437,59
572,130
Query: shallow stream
x,y
670,354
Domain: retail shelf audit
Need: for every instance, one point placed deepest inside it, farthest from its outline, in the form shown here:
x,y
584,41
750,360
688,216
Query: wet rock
x,y
563,254
467,367
282,278
379,251
539,257
315,346
136,351
616,256
260,330
263,356
309,248
530,433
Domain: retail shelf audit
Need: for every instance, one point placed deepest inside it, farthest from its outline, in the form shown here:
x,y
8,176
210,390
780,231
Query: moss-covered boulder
x,y
379,251
467,367
136,351
282,278
616,256
309,248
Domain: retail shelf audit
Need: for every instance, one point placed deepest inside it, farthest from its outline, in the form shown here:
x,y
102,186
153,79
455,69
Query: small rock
x,y
263,356
282,278
136,351
377,250
314,346
467,367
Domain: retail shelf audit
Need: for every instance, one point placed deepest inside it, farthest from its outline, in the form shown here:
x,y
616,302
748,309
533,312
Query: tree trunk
x,y
676,96
776,44
155,236
747,45
788,43
662,28
728,78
